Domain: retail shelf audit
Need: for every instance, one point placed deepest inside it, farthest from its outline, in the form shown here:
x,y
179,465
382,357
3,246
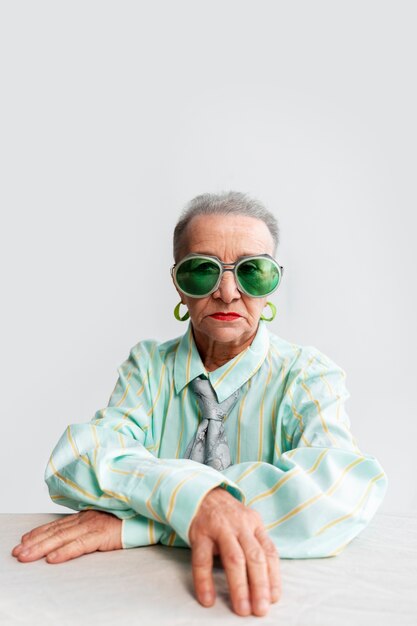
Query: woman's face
x,y
228,237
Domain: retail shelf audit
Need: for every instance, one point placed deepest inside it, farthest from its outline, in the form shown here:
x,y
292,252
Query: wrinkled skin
x,y
222,525
225,526
70,537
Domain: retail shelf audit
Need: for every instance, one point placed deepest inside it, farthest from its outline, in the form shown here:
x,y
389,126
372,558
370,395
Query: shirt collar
x,y
230,376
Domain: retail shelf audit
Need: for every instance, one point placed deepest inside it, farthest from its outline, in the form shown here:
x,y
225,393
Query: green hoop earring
x,y
177,313
274,312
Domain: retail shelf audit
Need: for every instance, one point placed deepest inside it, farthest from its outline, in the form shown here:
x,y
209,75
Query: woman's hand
x,y
70,537
225,526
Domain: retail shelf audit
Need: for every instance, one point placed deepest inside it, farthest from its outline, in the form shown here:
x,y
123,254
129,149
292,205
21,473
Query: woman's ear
x,y
179,292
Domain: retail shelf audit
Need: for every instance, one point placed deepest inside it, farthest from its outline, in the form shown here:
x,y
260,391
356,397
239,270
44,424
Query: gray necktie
x,y
209,445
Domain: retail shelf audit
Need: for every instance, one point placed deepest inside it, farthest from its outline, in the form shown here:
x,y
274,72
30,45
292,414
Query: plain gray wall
x,y
115,114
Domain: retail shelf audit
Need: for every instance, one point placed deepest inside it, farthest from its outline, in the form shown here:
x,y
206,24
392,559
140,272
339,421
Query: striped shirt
x,y
294,458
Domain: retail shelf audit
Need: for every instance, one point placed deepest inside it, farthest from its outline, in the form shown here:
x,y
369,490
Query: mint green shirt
x,y
294,458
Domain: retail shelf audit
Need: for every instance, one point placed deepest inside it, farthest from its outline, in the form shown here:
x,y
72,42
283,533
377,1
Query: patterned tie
x,y
209,445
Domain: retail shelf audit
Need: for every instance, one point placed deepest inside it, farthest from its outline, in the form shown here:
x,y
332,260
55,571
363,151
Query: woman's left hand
x,y
70,537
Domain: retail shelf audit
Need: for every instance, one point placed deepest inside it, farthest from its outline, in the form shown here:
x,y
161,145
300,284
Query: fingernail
x,y
206,598
244,606
24,552
263,605
275,594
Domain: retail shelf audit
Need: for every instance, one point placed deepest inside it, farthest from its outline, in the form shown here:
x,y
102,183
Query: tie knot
x,y
206,397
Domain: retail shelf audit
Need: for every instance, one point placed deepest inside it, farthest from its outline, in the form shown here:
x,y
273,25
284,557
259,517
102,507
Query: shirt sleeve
x,y
321,491
107,464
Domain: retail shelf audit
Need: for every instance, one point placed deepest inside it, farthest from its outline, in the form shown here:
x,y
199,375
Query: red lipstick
x,y
225,317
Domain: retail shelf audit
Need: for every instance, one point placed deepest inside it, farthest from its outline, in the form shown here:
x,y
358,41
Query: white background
x,y
115,114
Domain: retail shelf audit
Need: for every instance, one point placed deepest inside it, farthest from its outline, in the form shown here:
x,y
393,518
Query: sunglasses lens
x,y
258,277
197,276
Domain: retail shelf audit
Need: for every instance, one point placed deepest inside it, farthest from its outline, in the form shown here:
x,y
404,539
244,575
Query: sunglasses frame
x,y
226,267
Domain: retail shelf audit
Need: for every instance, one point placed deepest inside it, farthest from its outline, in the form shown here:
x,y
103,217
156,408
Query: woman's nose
x,y
227,290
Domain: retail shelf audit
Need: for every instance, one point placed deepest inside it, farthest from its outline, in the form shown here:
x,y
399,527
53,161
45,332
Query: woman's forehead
x,y
237,235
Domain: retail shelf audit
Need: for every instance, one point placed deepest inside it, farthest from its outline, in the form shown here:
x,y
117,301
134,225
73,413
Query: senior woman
x,y
228,439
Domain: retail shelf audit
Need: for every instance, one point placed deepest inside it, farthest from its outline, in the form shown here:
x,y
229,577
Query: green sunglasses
x,y
199,275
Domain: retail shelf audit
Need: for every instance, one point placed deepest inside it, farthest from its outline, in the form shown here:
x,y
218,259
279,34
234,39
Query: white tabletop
x,y
374,581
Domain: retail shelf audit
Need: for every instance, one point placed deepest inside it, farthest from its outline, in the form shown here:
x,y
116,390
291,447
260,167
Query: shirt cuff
x,y
140,531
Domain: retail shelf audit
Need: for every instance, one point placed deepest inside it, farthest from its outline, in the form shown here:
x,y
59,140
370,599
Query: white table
x,y
373,582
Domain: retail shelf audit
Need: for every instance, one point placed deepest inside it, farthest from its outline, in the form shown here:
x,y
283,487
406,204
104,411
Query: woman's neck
x,y
214,354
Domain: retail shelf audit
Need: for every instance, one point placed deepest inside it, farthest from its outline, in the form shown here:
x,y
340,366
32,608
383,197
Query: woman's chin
x,y
225,331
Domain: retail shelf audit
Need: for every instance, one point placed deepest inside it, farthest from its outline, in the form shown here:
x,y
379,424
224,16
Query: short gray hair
x,y
225,203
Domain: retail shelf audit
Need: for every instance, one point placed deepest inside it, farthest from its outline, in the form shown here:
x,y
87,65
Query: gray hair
x,y
226,203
